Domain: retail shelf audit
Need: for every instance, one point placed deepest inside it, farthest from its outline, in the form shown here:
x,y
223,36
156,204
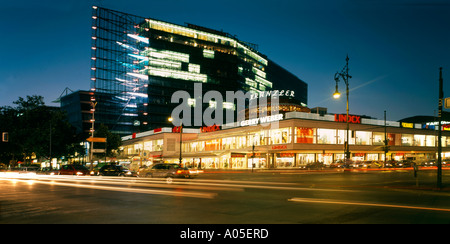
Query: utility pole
x,y
386,143
441,100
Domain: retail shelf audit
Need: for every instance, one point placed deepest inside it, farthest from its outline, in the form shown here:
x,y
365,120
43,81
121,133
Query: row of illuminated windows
x,y
265,137
150,146
301,136
201,35
334,136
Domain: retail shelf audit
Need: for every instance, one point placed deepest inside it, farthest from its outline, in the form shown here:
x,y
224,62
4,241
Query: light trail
x,y
120,189
177,184
325,201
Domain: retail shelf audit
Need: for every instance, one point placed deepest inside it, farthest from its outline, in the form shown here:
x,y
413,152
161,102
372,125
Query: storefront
x,y
295,141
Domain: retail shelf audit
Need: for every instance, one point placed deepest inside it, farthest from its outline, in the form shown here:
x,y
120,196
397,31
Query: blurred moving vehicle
x,y
47,171
115,170
315,165
164,170
74,169
337,164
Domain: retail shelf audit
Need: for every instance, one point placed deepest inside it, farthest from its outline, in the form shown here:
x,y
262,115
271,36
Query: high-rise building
x,y
138,63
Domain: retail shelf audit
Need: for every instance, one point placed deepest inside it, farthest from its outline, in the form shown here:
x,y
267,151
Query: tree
x,y
36,130
113,141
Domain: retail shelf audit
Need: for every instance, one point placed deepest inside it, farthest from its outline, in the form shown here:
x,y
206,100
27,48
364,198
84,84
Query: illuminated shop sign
x,y
262,120
177,129
351,118
210,128
433,125
274,93
407,125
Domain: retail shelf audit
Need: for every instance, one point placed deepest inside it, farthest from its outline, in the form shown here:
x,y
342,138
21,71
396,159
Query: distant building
x,y
77,105
429,122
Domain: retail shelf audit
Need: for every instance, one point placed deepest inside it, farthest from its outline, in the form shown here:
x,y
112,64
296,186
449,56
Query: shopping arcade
x,y
296,140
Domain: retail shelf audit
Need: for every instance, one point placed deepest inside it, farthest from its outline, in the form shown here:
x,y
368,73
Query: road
x,y
278,197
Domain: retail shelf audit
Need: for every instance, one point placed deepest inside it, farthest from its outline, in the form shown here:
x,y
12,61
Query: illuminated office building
x,y
138,63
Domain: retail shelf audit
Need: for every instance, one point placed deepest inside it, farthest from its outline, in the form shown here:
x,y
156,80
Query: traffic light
x,y
5,137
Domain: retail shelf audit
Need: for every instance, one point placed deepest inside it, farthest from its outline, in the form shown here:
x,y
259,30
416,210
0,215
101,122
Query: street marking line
x,y
325,201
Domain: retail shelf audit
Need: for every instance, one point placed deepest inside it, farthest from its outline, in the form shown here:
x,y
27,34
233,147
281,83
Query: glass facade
x,y
141,62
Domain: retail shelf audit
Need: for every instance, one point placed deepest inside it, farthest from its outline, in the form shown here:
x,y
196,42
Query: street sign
x,y
447,103
96,139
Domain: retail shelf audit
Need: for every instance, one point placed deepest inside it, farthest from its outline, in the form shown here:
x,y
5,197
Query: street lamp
x,y
336,94
345,76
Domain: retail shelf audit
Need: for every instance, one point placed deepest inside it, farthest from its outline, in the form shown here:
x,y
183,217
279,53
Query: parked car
x,y
164,170
337,164
405,164
371,164
74,169
355,165
429,163
115,170
390,164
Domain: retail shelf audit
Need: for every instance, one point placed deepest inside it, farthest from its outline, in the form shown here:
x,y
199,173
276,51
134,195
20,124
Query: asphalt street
x,y
269,197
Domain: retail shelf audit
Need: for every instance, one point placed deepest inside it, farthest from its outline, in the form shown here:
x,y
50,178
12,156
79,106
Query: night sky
x,y
395,46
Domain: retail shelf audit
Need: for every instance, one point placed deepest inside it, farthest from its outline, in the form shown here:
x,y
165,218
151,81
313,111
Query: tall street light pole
x,y
441,101
345,77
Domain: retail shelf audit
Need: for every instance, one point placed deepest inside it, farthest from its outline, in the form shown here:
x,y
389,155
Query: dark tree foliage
x,y
36,130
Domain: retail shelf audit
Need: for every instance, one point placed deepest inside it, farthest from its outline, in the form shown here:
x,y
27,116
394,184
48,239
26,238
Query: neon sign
x,y
267,119
351,118
210,128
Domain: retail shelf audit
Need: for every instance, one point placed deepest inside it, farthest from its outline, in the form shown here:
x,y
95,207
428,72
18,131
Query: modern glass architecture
x,y
138,63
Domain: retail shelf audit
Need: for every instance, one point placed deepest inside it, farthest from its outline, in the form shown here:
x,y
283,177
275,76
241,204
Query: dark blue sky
x,y
395,46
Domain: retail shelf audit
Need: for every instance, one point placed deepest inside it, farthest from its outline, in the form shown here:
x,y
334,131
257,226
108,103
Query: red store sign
x,y
210,128
351,118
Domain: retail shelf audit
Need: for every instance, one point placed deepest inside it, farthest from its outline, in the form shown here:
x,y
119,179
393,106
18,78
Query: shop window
x,y
407,140
148,145
259,139
241,142
280,136
213,145
228,143
304,159
326,136
342,135
419,140
325,158
285,160
378,138
363,138
158,145
305,135
430,141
